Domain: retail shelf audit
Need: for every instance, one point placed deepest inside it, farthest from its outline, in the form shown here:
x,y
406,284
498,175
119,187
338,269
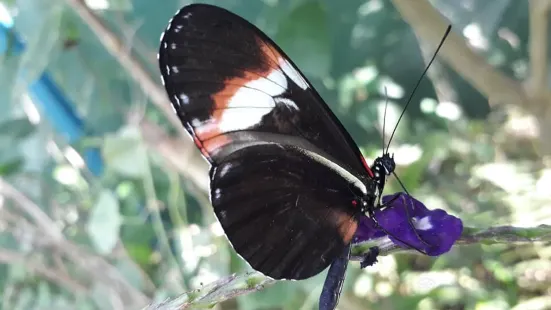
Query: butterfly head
x,y
384,166
387,163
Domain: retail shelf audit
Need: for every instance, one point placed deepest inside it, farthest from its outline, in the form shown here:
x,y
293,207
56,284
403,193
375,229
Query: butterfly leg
x,y
332,286
370,257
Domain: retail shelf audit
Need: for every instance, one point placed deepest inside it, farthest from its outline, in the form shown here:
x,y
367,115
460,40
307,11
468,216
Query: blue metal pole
x,y
52,103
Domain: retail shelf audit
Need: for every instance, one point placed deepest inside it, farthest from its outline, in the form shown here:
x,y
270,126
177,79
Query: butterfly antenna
x,y
384,120
419,82
401,184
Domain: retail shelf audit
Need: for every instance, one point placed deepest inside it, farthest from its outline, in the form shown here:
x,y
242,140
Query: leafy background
x,y
137,227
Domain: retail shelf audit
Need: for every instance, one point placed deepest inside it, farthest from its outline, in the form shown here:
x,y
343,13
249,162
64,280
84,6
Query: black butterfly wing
x,y
283,211
232,86
284,170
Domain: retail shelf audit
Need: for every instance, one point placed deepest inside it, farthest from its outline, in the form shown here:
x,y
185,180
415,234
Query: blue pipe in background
x,y
52,103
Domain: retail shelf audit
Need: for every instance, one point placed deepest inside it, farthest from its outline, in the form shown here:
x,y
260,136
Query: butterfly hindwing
x,y
285,213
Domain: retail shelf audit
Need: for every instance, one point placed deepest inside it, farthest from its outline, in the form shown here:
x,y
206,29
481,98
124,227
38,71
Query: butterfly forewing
x,y
284,170
230,84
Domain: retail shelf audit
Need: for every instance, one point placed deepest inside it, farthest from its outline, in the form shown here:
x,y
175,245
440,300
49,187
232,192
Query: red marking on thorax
x,y
367,167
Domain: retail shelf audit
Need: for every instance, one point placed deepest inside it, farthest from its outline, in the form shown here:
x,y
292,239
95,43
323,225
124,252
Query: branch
x,y
151,88
96,267
429,25
178,154
38,216
234,286
539,13
60,278
134,68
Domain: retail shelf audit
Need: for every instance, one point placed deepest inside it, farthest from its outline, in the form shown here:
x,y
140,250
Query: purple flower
x,y
434,231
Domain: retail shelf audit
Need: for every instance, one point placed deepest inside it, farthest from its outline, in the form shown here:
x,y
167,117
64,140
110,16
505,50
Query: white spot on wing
x,y
184,98
238,119
287,102
196,122
292,73
252,101
225,169
274,84
217,193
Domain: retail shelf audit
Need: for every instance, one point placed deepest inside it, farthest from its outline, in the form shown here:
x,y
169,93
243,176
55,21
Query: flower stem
x,y
235,285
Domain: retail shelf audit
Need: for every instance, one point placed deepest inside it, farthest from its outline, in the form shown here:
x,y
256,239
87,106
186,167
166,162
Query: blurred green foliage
x,y
154,226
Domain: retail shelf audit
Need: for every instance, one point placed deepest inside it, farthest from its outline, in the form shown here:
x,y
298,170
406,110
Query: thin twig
x,y
135,69
95,266
539,13
429,25
118,49
177,153
60,278
40,218
234,286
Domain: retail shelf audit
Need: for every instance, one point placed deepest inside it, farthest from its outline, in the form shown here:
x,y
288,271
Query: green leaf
x,y
11,166
43,295
18,271
304,35
105,222
125,153
25,299
17,128
140,253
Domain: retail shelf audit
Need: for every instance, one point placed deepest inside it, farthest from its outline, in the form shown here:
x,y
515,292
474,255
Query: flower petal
x,y
433,231
367,230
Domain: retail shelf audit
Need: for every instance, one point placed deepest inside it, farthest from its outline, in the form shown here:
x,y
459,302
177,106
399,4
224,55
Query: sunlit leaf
x,y
105,222
11,166
125,153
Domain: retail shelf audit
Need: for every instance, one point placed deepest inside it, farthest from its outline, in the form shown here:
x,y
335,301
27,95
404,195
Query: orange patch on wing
x,y
210,133
346,226
215,143
271,55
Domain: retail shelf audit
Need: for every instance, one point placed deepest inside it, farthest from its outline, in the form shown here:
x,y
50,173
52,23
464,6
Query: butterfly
x,y
287,181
